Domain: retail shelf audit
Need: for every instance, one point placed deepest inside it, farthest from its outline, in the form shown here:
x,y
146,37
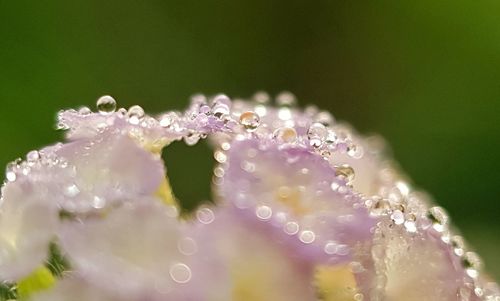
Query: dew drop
x,y
205,215
438,217
398,217
106,105
180,273
187,246
250,120
264,212
10,172
291,228
71,191
317,134
135,114
330,248
345,171
286,98
307,236
285,135
167,120
33,156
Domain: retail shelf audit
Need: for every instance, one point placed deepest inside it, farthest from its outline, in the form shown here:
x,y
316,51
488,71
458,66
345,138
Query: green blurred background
x,y
425,74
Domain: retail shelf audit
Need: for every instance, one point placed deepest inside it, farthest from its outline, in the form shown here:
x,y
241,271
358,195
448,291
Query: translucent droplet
x,y
220,110
439,218
180,273
286,98
345,171
192,138
325,118
291,228
264,212
135,114
307,236
250,120
220,156
472,264
354,151
458,244
84,111
398,217
331,137
33,156
71,191
330,248
285,135
261,97
187,246
10,172
98,202
222,99
168,119
106,105
316,134
379,206
205,215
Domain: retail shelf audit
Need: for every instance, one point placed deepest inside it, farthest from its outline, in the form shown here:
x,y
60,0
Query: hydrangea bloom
x,y
305,208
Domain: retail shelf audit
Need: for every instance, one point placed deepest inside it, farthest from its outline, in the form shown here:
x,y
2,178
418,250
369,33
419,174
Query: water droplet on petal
x,y
286,98
106,105
345,171
250,120
439,218
317,134
135,114
285,135
10,173
33,156
71,191
398,217
180,273
205,215
307,236
168,119
264,212
187,246
291,228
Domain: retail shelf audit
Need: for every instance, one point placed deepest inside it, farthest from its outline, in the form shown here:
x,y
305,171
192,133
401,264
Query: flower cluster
x,y
305,208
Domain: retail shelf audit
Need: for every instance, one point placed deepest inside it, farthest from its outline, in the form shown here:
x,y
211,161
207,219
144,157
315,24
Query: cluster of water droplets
x,y
274,122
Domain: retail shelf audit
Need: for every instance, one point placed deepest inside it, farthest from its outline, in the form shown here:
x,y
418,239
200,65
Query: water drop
x,y
180,273
192,139
168,119
187,246
250,120
205,215
472,264
316,134
291,228
106,105
379,206
307,236
285,135
261,97
345,171
135,114
10,173
398,217
438,217
286,98
264,212
33,156
71,191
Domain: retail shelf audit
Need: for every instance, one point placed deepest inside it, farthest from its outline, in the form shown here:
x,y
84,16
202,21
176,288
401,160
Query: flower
x,y
304,208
